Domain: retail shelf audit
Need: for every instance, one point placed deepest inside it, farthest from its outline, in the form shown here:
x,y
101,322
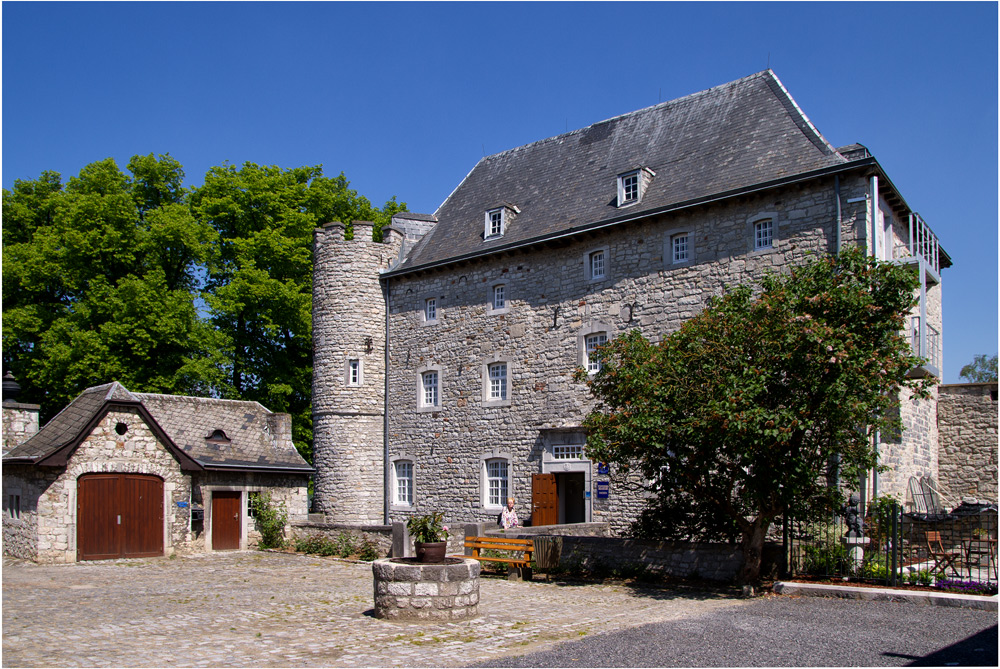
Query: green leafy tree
x,y
97,281
739,412
259,280
981,370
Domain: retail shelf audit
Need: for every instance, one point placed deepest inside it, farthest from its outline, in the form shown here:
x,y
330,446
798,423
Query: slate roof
x,y
185,422
721,140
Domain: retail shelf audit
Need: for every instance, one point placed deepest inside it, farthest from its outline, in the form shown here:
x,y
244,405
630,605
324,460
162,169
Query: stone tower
x,y
349,348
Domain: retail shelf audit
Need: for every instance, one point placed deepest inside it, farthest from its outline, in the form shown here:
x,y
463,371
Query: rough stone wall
x,y
137,451
291,490
380,535
20,535
967,425
20,421
679,559
915,452
551,305
349,312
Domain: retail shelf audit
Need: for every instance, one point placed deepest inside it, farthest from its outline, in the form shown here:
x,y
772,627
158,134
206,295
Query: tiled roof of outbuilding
x,y
726,138
186,421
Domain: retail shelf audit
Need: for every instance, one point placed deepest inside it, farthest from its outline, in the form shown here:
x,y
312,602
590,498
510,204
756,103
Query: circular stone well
x,y
409,590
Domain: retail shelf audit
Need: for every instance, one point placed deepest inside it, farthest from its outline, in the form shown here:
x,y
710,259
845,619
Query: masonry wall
x,y
20,421
967,424
104,450
349,324
551,307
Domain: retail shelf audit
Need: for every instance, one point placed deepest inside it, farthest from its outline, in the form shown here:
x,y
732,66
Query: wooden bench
x,y
520,564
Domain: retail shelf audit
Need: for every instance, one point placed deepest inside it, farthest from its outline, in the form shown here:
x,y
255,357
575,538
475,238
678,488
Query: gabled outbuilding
x,y
123,474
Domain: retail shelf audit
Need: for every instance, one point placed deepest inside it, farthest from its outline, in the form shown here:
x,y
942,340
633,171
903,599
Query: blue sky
x,y
405,98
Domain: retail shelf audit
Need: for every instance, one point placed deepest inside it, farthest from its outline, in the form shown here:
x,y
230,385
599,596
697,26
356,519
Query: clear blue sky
x,y
405,98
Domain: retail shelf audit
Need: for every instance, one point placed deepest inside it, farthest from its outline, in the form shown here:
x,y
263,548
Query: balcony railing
x,y
927,347
923,243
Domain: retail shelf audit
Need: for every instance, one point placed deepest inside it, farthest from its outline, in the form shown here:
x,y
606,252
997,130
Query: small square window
x,y
597,265
628,188
354,372
430,310
403,489
593,341
499,299
495,223
430,396
679,248
763,234
498,381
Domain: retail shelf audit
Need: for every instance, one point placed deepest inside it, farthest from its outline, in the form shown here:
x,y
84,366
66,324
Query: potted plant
x,y
430,536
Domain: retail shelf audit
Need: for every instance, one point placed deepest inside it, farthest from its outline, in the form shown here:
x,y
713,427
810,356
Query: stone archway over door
x,y
119,515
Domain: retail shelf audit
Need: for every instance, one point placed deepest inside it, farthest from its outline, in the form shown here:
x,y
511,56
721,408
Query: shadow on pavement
x,y
978,650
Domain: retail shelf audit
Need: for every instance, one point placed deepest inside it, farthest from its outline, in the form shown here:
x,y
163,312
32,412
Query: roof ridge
x,y
636,112
219,400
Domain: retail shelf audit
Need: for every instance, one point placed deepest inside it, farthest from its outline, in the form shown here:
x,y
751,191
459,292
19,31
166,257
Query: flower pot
x,y
431,551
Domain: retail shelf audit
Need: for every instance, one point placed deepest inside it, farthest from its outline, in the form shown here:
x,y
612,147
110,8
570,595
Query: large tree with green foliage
x,y
736,415
981,370
131,277
259,280
97,283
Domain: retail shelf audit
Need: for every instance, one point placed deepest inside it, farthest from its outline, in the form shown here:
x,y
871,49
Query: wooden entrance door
x,y
544,500
118,515
225,520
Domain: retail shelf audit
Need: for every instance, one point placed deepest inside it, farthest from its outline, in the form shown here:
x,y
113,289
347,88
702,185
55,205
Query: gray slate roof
x,y
733,136
185,421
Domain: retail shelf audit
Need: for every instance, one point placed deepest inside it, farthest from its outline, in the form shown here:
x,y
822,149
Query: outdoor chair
x,y
943,559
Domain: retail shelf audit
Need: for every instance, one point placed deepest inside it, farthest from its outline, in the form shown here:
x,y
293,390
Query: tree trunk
x,y
753,553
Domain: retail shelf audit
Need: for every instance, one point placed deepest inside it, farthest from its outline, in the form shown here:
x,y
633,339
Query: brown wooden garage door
x,y
119,515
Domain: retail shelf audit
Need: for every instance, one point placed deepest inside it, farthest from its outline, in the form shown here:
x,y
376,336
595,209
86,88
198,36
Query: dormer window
x,y
632,185
217,437
628,188
495,222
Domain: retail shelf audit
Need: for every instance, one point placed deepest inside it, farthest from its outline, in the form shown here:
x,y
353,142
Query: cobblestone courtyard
x,y
276,609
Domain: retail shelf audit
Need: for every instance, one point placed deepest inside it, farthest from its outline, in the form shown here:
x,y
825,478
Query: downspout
x,y
385,415
836,191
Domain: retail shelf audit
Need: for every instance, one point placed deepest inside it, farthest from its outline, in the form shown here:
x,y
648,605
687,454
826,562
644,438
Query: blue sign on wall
x,y
603,488
182,504
602,468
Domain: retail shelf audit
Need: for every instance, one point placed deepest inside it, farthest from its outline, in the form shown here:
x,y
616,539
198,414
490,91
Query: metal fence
x,y
898,548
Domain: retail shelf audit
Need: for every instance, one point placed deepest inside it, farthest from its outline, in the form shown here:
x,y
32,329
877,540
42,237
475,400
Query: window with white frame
x,y
497,482
596,264
679,251
498,381
354,372
628,188
763,234
430,310
499,297
495,222
402,487
567,451
593,341
430,391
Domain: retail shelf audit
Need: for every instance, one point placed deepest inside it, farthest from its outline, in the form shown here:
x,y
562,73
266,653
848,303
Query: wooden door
x,y
98,517
226,520
142,529
544,500
119,515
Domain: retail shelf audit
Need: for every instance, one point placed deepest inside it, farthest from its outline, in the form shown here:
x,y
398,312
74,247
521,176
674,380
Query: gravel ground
x,y
784,631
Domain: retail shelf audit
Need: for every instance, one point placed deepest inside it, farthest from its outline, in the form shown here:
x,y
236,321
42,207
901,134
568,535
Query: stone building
x,y
445,354
123,474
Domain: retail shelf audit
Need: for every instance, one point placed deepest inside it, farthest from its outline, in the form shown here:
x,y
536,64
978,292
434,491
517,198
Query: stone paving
x,y
277,609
